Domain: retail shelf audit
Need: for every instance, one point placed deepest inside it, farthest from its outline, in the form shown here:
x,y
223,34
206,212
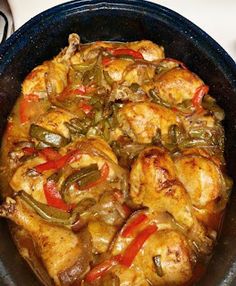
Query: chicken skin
x,y
59,247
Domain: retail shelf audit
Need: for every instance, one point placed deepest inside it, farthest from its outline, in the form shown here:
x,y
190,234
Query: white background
x,y
216,17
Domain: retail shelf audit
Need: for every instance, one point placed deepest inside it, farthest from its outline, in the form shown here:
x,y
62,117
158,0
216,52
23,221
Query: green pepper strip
x,y
83,67
49,213
81,177
47,136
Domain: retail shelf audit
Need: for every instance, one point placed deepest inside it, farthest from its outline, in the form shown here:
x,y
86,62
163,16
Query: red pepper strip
x,y
103,177
29,150
135,222
118,196
53,197
107,60
183,66
24,106
134,247
50,154
99,270
86,107
126,209
59,163
129,52
198,96
79,90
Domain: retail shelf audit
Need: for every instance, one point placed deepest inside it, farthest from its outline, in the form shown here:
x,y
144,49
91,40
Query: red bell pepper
x,y
29,150
134,247
125,51
103,177
50,154
53,197
101,269
133,225
58,163
107,60
86,107
24,106
198,96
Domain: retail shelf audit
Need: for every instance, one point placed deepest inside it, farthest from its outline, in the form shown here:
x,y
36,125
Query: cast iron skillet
x,y
126,20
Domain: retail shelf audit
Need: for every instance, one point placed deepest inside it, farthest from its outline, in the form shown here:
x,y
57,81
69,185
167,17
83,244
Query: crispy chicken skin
x,y
177,85
53,73
207,182
141,121
154,184
59,248
176,257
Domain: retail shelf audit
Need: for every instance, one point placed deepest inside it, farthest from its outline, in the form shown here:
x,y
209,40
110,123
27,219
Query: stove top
x,y
6,21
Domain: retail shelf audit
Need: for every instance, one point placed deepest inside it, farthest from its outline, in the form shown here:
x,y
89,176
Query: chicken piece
x,y
207,183
54,71
149,50
65,255
130,276
139,74
23,179
34,83
154,184
117,67
174,255
55,120
167,244
141,121
177,85
27,179
102,235
208,188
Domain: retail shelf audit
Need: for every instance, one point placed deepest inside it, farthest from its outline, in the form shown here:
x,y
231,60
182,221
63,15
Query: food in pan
x,y
112,168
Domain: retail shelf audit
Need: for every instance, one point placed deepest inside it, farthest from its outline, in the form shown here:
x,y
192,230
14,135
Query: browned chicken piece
x,y
154,184
23,180
177,85
142,121
139,74
208,188
65,255
55,120
33,182
102,235
206,184
117,68
53,73
174,258
165,258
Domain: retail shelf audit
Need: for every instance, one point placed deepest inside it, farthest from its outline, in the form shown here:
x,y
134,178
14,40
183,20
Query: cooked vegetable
x,y
53,196
58,163
113,167
132,226
101,269
51,214
135,246
48,137
198,96
157,263
126,52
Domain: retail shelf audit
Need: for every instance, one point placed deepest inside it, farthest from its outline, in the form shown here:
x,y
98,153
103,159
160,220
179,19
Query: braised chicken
x,y
112,167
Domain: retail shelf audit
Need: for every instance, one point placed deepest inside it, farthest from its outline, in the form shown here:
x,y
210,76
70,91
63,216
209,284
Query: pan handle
x,y
6,25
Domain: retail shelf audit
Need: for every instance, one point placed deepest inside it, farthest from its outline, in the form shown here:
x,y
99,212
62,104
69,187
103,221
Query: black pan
x,y
43,37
